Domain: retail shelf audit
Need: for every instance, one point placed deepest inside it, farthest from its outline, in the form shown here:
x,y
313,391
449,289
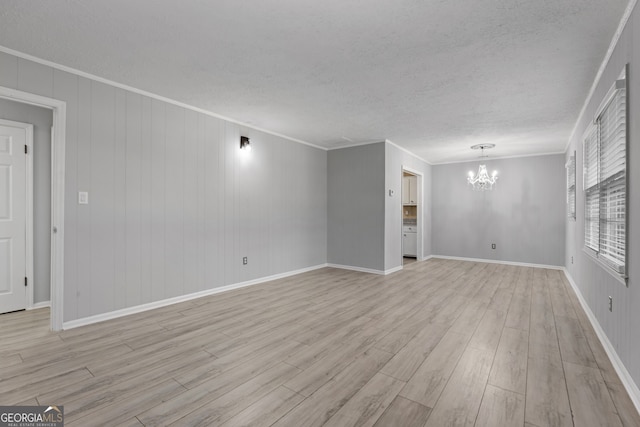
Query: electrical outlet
x,y
493,246
610,303
245,260
571,260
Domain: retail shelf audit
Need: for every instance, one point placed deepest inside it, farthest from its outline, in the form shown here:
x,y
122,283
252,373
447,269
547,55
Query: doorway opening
x,y
56,230
412,212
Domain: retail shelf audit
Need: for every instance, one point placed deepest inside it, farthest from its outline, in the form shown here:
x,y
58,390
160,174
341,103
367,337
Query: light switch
x,y
83,198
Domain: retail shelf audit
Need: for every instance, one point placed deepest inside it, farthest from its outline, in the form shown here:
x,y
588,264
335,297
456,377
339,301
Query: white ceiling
x,y
433,76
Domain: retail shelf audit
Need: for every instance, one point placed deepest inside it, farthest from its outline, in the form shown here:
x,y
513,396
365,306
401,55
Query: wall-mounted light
x,y
245,144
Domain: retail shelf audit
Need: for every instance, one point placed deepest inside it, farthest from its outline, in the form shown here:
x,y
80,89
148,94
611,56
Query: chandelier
x,y
482,181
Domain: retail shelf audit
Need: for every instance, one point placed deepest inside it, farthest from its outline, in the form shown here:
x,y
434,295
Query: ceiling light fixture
x,y
245,144
482,181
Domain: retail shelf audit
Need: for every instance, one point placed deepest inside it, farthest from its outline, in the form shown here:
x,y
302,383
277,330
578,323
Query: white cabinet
x,y
409,241
409,190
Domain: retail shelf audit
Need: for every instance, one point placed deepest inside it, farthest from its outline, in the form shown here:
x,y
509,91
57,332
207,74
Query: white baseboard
x,y
182,298
365,270
426,258
625,377
38,305
354,268
393,270
496,261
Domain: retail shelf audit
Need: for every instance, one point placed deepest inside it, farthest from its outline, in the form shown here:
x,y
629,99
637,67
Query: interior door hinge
x,y
26,149
25,281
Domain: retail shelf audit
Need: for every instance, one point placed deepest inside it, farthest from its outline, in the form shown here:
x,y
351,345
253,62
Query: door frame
x,y
28,130
419,223
58,139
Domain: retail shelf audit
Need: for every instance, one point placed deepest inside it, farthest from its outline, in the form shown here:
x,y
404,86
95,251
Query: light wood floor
x,y
440,343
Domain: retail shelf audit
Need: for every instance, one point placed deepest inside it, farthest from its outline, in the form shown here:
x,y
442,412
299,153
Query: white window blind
x,y
605,181
571,186
591,197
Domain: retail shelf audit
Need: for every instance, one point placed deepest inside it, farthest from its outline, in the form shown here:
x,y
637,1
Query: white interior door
x,y
13,216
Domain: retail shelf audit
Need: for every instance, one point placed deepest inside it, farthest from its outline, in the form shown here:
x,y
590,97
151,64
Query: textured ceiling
x,y
433,76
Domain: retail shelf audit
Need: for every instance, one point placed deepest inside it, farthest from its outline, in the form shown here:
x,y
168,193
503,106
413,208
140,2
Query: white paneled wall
x,y
594,283
174,204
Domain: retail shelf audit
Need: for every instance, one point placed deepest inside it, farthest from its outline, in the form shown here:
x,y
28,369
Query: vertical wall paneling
x,y
231,238
283,202
133,200
102,202
174,201
276,199
244,173
158,200
203,200
83,305
259,204
190,219
594,283
296,211
146,201
172,205
120,201
214,179
66,88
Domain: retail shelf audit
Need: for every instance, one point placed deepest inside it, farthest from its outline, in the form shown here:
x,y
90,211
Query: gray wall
x,y
596,284
173,206
524,214
356,206
41,119
395,160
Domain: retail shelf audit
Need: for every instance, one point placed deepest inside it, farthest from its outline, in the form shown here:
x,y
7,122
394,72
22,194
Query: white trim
x,y
603,65
621,370
611,94
363,270
407,151
488,159
57,192
29,236
516,156
497,261
222,117
393,270
593,255
149,94
41,304
427,258
354,144
182,298
28,140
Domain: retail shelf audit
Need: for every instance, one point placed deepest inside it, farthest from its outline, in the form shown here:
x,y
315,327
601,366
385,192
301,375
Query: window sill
x,y
606,267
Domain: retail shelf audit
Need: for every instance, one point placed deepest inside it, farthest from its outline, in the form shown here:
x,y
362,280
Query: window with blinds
x,y
605,180
571,186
